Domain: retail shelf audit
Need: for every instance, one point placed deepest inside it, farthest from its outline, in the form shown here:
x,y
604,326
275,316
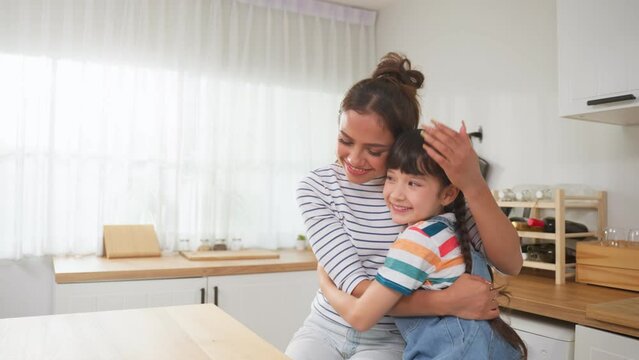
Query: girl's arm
x,y
470,297
361,313
454,153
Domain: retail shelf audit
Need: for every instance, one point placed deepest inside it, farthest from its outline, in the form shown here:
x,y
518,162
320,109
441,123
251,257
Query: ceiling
x,y
365,4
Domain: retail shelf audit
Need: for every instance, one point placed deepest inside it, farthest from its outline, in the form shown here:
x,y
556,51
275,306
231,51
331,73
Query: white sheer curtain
x,y
198,116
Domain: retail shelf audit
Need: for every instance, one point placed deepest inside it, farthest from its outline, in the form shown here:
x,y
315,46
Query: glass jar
x,y
204,245
220,244
184,245
236,244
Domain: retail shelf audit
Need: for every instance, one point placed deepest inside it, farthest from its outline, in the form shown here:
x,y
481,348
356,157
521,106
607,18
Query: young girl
x,y
431,253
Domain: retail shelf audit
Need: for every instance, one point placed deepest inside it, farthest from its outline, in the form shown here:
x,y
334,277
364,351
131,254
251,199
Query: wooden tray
x,y
229,255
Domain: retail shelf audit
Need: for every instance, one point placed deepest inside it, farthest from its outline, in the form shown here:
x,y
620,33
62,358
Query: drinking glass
x,y
612,236
633,235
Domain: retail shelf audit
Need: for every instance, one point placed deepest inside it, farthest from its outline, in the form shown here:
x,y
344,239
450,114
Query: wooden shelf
x,y
553,236
570,202
559,204
540,265
546,266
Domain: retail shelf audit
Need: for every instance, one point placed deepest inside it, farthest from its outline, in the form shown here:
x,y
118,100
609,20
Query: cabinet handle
x,y
202,296
215,295
610,99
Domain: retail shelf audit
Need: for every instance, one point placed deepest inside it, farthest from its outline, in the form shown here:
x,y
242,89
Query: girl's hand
x,y
474,298
454,152
324,280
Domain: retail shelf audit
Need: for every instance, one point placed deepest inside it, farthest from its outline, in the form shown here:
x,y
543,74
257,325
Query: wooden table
x,y
180,332
537,294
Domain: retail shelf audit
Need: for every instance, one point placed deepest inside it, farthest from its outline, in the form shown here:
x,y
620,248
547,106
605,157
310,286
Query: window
x,y
199,117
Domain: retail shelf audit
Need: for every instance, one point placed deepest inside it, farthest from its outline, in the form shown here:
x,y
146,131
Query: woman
x,y
350,229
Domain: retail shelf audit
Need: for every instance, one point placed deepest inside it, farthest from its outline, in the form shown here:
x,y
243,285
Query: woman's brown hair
x,y
408,156
391,93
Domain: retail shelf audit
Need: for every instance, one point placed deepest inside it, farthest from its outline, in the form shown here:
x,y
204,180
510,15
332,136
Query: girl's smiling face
x,y
362,146
413,198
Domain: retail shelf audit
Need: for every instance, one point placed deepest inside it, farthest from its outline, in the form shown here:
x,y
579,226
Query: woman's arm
x,y
328,238
361,313
470,297
454,153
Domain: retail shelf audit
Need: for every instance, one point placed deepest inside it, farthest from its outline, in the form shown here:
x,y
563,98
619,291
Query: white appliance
x,y
546,339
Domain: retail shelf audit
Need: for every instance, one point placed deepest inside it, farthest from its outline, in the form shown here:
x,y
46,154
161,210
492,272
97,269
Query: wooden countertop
x,y
180,332
540,295
93,268
530,292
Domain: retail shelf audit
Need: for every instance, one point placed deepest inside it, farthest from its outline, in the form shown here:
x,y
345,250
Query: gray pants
x,y
323,339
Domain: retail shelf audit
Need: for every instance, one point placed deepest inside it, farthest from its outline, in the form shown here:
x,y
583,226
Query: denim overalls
x,y
449,337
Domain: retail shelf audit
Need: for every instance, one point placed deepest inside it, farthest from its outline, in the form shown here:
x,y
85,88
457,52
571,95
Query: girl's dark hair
x,y
391,93
408,156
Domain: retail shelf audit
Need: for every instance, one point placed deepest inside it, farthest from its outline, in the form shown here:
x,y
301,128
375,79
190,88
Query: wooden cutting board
x,y
623,312
230,255
127,241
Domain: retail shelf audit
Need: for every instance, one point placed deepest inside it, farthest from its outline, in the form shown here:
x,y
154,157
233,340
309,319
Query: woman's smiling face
x,y
362,146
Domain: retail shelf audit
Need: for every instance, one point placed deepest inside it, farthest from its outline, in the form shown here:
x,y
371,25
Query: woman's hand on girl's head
x,y
454,152
472,297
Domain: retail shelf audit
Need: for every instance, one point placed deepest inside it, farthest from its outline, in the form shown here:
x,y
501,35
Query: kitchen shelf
x,y
546,266
559,204
552,236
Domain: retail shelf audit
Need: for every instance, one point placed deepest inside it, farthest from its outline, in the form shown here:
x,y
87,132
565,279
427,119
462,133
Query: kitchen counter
x,y
530,292
180,332
572,302
93,268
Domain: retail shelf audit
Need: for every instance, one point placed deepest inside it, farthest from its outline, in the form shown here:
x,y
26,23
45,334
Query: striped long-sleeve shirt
x,y
350,231
426,255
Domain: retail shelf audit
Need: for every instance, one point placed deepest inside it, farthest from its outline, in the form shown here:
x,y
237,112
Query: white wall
x,y
494,63
26,287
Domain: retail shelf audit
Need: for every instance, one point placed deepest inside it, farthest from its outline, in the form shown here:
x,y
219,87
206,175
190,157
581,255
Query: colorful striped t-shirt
x,y
426,255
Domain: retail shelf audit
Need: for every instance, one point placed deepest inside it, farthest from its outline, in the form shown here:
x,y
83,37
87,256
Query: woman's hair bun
x,y
397,67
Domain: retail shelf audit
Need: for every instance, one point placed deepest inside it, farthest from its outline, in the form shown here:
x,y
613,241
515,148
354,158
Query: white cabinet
x,y
592,344
118,295
598,48
546,339
273,305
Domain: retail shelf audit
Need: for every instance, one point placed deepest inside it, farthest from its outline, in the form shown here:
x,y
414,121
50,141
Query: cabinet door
x,y
598,46
591,344
118,295
273,305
